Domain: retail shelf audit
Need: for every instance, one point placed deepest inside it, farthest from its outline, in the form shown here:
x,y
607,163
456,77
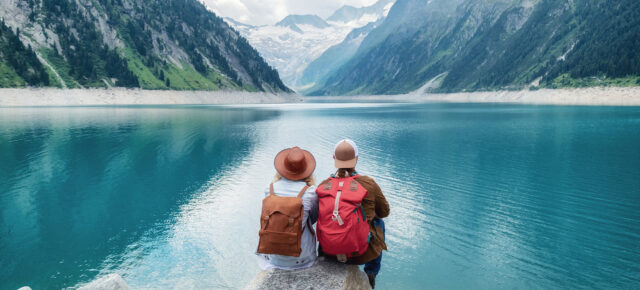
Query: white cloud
x,y
259,12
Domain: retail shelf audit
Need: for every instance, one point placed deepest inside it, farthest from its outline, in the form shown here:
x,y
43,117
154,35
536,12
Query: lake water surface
x,y
482,196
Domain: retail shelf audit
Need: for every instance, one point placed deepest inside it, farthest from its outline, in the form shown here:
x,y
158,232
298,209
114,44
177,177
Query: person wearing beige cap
x,y
351,207
290,208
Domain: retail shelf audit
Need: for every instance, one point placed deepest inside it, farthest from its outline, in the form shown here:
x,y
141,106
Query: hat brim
x,y
278,162
346,163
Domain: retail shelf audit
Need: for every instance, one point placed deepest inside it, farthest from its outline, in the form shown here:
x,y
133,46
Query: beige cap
x,y
345,154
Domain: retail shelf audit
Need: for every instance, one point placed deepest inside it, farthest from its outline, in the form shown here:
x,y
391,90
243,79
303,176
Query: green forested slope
x,y
152,44
492,44
19,65
563,45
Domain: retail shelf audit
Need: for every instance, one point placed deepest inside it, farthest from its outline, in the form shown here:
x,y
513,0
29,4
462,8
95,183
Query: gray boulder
x,y
324,274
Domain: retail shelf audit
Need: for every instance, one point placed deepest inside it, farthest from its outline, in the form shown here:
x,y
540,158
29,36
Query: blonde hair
x,y
310,180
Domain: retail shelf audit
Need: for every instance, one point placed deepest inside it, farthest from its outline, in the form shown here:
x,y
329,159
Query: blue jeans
x,y
373,266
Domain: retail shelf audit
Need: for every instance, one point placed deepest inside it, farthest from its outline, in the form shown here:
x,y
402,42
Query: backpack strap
x,y
303,191
308,222
336,213
271,189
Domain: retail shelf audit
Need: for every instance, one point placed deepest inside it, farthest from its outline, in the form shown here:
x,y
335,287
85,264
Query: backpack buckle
x,y
336,217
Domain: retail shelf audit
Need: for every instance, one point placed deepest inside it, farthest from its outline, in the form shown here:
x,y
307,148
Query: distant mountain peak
x,y
236,23
294,42
349,13
292,21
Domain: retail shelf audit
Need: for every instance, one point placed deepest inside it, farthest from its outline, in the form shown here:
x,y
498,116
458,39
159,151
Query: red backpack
x,y
342,227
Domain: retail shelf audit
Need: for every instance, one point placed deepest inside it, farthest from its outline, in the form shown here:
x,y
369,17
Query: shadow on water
x,y
80,184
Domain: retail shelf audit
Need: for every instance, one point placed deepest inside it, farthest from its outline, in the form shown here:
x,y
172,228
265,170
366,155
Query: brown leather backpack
x,y
281,224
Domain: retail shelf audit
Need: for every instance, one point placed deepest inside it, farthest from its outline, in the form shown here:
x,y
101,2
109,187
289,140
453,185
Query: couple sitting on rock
x,y
348,209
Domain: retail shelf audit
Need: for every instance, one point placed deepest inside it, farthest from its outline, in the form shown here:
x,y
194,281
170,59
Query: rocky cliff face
x,y
410,46
152,44
489,45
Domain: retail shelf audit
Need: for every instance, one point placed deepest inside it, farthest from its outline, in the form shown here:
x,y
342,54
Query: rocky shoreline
x,y
33,97
594,96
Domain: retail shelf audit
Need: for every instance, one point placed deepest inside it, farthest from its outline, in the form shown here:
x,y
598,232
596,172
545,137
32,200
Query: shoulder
x,y
310,193
311,189
364,178
323,182
366,181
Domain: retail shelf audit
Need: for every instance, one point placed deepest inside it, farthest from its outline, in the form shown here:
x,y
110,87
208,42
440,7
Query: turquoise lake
x,y
482,196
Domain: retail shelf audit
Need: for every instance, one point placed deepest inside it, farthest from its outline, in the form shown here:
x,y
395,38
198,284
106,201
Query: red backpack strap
x,y
271,189
353,186
303,191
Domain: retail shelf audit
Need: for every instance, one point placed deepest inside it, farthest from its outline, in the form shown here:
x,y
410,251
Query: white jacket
x,y
286,187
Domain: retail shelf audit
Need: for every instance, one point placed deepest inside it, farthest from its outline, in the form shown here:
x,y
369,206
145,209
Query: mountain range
x,y
390,47
470,45
150,44
296,41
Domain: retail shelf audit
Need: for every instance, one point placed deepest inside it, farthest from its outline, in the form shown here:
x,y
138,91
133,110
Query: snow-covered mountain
x,y
292,21
349,13
297,40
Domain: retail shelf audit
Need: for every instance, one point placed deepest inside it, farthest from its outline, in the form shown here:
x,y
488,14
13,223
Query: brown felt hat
x,y
295,163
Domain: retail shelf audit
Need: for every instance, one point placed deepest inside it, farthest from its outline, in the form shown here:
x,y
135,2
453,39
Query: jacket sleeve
x,y
382,206
374,202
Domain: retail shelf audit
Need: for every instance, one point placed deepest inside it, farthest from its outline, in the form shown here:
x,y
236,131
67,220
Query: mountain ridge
x,y
291,46
494,45
134,43
292,21
348,13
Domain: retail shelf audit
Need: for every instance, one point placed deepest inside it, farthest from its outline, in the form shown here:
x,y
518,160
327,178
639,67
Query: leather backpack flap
x,y
284,213
281,226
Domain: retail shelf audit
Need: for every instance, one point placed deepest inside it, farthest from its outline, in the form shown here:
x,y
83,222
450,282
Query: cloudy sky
x,y
259,12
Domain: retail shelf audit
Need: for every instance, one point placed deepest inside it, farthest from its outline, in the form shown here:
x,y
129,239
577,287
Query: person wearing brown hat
x,y
293,179
374,206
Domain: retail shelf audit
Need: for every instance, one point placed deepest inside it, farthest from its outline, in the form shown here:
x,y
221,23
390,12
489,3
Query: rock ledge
x,y
324,274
